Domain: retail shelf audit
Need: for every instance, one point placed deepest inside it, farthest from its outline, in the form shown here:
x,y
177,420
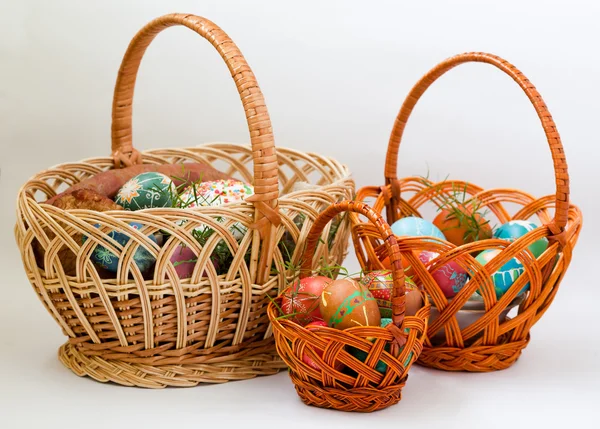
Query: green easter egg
x,y
147,190
517,228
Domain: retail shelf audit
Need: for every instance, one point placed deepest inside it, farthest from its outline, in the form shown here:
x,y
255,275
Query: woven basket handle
x,y
389,239
266,185
558,156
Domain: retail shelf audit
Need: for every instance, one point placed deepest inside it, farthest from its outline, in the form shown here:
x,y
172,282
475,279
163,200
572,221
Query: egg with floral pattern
x,y
145,191
380,284
110,262
450,278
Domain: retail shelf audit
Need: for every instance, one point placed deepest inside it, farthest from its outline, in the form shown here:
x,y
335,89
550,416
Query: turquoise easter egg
x,y
147,190
415,226
109,261
381,365
507,274
517,228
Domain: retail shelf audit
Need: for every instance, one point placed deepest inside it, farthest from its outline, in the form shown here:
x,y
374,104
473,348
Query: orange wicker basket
x,y
161,330
363,388
490,341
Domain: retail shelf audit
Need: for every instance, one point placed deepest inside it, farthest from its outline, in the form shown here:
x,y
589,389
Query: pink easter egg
x,y
184,259
450,277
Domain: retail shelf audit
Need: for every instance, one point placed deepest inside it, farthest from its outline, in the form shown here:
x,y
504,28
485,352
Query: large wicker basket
x,y
165,331
362,386
493,341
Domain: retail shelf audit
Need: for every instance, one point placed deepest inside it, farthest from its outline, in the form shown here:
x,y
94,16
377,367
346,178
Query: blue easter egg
x,y
517,228
416,226
507,274
110,262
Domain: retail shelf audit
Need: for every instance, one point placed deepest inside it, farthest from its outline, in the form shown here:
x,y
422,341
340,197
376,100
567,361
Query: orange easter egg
x,y
346,304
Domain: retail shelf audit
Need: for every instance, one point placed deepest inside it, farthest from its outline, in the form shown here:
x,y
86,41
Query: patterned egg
x,y
380,284
214,193
507,274
184,260
345,304
517,228
147,190
302,299
381,365
109,261
415,226
450,278
307,359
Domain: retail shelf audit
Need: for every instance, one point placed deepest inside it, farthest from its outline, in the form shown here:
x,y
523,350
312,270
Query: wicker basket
x,y
165,331
493,341
363,388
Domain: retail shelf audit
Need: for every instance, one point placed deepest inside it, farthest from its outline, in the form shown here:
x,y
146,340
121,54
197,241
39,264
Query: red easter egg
x,y
450,278
302,299
307,359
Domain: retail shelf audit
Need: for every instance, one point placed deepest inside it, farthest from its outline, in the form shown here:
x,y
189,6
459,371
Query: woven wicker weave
x,y
364,389
487,344
164,331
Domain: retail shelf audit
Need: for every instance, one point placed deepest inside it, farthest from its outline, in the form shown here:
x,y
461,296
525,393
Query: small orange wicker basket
x,y
360,386
491,341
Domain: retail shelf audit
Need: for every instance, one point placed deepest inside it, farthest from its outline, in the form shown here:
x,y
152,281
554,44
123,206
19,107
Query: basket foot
x,y
156,377
473,359
363,400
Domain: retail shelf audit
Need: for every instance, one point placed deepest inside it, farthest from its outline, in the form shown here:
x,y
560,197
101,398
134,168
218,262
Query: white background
x,y
334,75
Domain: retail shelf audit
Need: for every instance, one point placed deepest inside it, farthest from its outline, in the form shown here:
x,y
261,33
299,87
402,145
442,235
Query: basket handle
x,y
560,164
264,157
389,239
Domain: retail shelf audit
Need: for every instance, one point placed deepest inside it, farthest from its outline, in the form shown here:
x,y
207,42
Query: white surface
x,y
334,76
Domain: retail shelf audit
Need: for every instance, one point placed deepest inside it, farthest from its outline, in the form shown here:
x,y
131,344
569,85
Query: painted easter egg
x,y
302,299
450,278
214,193
310,361
109,261
184,260
345,304
517,228
381,365
507,274
415,226
380,284
147,190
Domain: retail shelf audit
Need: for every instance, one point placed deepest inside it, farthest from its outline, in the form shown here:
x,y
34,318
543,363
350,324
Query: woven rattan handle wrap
x,y
266,184
389,239
558,156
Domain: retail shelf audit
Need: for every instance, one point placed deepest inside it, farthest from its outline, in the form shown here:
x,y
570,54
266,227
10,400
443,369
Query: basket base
x,y
473,359
156,377
364,400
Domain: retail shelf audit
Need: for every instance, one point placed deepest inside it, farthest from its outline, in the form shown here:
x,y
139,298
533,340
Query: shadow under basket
x,y
152,328
490,341
335,376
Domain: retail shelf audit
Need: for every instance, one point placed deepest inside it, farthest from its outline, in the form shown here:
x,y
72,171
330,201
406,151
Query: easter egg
x,y
450,278
214,193
381,365
345,304
507,274
380,284
307,359
184,260
147,190
415,226
461,226
302,299
517,228
109,261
